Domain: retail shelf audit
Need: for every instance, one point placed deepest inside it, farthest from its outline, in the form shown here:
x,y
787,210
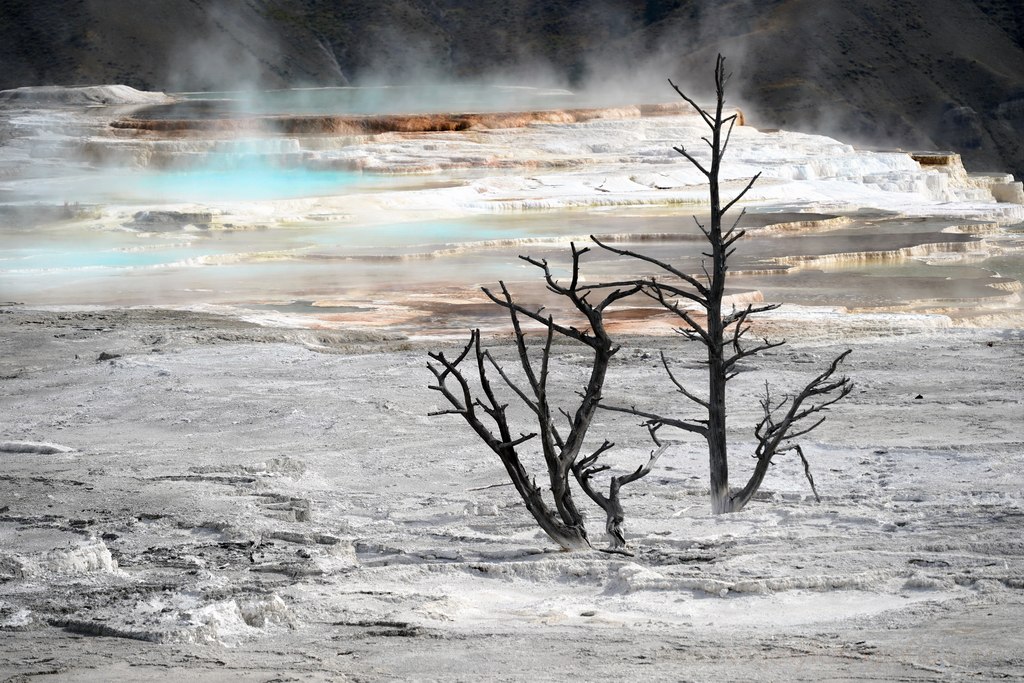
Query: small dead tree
x,y
478,403
724,335
585,469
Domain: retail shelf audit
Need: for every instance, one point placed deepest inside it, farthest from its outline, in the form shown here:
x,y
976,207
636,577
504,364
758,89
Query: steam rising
x,y
219,54
220,57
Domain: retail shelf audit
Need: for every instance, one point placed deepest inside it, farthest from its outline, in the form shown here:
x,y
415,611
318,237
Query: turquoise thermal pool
x,y
240,183
237,184
401,229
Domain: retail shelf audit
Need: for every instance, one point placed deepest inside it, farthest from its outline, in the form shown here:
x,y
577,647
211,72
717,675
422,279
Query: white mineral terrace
x,y
388,229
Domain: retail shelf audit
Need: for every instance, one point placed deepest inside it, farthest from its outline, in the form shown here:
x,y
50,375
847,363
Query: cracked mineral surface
x,y
236,504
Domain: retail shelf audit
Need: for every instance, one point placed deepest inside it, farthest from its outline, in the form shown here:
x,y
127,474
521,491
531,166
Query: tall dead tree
x,y
724,334
478,402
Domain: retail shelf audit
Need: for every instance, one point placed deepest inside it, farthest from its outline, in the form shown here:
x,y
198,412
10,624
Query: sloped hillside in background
x,y
928,73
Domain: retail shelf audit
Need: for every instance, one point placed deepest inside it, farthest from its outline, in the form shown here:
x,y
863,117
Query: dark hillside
x,y
926,73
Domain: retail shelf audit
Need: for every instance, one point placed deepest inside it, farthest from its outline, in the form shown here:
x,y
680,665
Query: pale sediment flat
x,y
219,500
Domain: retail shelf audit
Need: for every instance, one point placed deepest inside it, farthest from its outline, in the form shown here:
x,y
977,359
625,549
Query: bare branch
x,y
725,209
688,279
570,332
679,386
731,120
654,419
515,442
807,472
735,223
693,160
585,469
617,295
807,430
742,353
645,469
511,385
657,291
652,429
774,435
707,275
704,230
704,115
453,411
741,316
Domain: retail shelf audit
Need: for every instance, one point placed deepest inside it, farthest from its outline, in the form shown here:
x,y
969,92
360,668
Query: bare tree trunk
x,y
717,445
565,504
723,334
580,426
564,524
717,371
568,536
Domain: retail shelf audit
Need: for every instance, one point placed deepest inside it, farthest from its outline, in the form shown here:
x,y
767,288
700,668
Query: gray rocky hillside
x,y
922,73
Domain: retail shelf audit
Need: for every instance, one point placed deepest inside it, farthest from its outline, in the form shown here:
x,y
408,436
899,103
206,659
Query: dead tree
x,y
586,468
724,334
561,447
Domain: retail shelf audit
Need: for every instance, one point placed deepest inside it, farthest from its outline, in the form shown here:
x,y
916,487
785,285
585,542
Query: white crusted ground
x,y
238,508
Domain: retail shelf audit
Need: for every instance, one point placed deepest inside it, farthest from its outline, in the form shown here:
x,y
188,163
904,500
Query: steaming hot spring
x,y
381,207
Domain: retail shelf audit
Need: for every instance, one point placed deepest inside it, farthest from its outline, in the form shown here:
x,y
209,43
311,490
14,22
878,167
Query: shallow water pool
x,y
432,270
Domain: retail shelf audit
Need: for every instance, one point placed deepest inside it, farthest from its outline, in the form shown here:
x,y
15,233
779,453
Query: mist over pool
x,y
396,226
